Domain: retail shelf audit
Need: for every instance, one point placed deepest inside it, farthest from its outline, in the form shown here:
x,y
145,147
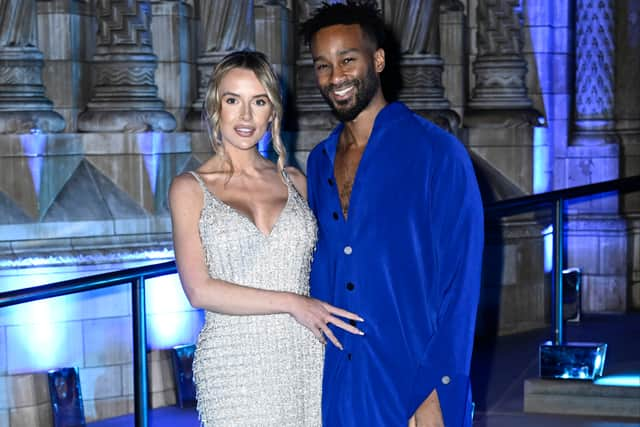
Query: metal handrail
x,y
556,200
136,276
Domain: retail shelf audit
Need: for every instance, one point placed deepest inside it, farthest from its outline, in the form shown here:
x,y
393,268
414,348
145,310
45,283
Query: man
x,y
400,239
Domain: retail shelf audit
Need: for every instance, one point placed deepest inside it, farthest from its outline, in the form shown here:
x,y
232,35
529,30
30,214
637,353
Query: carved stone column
x,y
500,68
225,26
416,25
595,229
499,118
24,107
125,97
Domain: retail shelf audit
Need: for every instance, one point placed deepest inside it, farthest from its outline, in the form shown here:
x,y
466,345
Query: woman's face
x,y
245,110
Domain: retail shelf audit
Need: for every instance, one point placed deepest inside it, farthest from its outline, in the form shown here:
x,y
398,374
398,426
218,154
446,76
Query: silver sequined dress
x,y
258,370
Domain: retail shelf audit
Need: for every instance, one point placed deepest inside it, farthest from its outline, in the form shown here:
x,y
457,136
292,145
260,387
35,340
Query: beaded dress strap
x,y
200,181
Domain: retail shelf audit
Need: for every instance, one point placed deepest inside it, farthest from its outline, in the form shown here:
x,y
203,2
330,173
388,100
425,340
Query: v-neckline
x,y
246,217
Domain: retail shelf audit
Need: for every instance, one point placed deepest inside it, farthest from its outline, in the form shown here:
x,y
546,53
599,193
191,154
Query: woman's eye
x,y
230,101
261,102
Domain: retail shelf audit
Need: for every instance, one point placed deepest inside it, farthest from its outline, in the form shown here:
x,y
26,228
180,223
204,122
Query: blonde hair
x,y
258,63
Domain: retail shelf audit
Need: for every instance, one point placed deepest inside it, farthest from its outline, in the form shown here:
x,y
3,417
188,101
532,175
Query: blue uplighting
x,y
33,147
170,318
548,248
69,330
630,380
150,144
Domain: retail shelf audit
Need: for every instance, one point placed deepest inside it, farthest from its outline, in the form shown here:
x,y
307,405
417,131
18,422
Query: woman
x,y
243,240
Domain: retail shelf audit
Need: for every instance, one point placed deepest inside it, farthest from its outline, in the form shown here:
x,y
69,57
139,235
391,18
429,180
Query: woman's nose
x,y
245,111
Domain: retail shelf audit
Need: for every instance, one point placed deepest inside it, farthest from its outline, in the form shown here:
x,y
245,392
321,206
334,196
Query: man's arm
x,y
457,232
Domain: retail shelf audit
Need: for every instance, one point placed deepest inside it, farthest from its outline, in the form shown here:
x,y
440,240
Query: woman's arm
x,y
186,202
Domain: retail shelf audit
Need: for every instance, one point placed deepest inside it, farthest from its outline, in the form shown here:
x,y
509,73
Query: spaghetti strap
x,y
285,175
200,181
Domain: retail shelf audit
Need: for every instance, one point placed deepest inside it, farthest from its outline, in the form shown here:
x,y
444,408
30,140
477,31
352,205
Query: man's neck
x,y
358,130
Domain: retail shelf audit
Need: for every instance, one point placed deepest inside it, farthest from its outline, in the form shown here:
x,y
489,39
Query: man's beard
x,y
364,89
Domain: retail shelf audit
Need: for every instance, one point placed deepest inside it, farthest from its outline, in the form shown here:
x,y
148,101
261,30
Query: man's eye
x,y
348,60
321,67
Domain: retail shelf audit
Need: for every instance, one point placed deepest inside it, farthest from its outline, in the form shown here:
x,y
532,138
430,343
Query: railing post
x,y
140,392
558,249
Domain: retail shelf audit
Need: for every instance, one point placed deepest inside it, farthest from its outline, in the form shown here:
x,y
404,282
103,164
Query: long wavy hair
x,y
259,64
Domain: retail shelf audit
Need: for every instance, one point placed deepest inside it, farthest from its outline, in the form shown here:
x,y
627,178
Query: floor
x,y
499,368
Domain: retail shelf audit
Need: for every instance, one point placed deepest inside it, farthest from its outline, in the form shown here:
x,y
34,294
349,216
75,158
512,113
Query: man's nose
x,y
337,76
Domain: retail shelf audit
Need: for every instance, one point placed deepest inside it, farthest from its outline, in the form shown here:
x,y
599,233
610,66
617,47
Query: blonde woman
x,y
243,239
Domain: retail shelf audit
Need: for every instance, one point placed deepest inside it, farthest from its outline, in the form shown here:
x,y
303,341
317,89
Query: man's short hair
x,y
361,12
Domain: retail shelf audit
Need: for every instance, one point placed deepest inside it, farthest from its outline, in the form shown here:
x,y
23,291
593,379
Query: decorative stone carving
x,y
125,95
225,26
415,26
595,73
24,108
500,68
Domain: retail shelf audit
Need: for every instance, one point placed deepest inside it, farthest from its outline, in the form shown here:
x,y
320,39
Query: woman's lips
x,y
244,131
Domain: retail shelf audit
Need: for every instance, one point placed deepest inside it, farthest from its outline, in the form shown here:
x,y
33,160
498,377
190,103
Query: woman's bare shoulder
x,y
298,178
184,187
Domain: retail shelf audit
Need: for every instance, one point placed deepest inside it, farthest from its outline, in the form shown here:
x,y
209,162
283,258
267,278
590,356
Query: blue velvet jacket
x,y
407,260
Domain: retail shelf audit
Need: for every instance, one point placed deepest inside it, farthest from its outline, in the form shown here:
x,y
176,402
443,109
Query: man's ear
x,y
379,60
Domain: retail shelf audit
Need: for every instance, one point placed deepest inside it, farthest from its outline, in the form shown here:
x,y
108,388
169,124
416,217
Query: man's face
x,y
346,66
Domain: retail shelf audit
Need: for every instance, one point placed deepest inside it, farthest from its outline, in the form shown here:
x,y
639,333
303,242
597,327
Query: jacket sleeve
x,y
457,231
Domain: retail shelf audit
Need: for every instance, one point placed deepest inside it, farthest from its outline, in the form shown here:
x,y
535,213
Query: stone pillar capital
x,y
125,95
500,67
24,107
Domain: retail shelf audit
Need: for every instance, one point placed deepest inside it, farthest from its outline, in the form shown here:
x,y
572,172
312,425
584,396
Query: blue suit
x,y
408,260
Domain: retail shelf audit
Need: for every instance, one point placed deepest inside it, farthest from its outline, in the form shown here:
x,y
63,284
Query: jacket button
x,y
330,181
350,286
445,380
335,215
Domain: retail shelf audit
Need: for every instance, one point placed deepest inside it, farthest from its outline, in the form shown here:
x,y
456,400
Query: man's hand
x,y
428,413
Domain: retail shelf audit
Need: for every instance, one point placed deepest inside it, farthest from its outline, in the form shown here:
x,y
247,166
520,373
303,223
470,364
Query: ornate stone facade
x,y
225,25
125,95
24,108
499,67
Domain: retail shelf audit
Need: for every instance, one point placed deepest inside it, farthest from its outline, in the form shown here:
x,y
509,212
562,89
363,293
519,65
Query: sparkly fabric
x,y
258,370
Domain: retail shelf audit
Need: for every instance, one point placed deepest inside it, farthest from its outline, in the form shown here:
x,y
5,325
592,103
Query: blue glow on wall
x,y
33,146
548,248
627,380
69,330
150,144
170,318
542,161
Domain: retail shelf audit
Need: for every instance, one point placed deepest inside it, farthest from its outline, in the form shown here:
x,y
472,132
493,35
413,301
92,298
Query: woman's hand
x,y
316,315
